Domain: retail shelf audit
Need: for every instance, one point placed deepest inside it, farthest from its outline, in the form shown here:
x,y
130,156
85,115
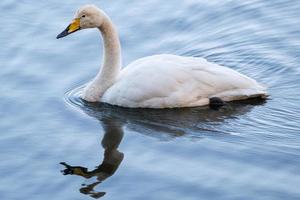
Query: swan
x,y
158,81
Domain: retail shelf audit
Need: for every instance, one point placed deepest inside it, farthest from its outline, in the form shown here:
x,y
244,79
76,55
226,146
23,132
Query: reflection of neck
x,y
111,62
111,141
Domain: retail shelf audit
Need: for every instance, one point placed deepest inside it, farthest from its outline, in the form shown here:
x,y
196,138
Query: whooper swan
x,y
159,81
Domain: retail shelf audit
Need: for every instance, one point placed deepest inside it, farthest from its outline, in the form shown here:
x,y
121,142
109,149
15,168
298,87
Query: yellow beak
x,y
73,27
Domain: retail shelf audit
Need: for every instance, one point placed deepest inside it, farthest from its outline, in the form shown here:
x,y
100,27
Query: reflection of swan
x,y
112,159
167,123
160,81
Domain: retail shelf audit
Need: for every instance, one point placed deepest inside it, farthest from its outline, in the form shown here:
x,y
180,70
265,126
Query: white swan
x,y
159,81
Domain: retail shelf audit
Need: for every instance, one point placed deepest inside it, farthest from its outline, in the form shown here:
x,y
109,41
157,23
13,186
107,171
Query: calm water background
x,y
247,150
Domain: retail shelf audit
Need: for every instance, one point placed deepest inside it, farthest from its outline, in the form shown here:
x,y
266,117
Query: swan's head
x,y
88,16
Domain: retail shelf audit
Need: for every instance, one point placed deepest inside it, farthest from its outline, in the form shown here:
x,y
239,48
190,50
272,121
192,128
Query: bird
x,y
157,81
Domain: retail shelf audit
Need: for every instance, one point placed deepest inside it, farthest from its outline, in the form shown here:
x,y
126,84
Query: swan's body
x,y
160,81
174,81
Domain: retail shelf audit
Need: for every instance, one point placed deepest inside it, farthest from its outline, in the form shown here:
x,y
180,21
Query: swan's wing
x,y
174,81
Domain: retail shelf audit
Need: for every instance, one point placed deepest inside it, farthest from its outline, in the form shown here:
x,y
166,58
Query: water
x,y
247,150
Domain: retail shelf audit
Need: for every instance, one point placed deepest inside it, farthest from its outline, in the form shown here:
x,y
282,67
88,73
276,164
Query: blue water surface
x,y
246,150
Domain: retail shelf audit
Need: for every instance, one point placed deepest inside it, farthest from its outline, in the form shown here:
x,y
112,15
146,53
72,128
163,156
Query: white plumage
x,y
159,81
162,81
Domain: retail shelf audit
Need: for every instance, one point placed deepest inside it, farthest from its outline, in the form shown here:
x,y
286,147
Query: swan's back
x,y
162,81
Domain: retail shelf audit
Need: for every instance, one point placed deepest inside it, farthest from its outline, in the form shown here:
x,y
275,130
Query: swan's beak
x,y
73,27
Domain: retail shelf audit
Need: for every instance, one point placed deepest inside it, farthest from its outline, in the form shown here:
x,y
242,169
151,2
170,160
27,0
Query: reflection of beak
x,y
73,27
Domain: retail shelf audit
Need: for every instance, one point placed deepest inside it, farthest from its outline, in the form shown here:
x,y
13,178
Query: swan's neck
x,y
111,64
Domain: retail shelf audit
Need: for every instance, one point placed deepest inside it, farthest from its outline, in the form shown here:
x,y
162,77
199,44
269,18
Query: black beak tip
x,y
62,34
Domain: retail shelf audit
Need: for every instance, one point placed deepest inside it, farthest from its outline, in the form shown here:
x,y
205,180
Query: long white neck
x,y
111,64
